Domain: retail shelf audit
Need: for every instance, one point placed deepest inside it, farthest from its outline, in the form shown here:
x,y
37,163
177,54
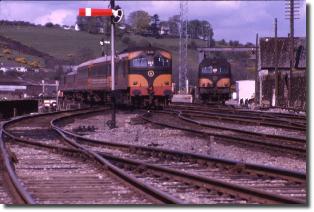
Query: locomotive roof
x,y
218,61
121,55
73,72
98,60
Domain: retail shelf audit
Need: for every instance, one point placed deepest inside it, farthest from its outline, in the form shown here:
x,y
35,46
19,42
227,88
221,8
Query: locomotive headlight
x,y
167,83
134,83
150,63
224,82
205,82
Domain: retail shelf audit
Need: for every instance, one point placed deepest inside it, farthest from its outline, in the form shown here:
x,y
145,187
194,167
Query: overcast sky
x,y
236,20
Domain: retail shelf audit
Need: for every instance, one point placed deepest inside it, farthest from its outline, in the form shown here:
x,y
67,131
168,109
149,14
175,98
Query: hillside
x,y
75,47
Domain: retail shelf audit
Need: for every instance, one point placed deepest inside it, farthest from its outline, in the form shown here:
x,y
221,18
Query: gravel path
x,y
133,131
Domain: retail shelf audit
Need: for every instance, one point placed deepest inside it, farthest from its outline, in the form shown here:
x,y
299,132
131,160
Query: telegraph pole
x,y
292,12
257,91
291,49
276,64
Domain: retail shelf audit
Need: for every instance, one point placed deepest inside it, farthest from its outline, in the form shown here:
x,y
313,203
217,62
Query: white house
x,y
164,30
20,69
77,28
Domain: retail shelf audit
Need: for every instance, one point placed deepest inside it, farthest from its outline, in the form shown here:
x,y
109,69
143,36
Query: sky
x,y
231,20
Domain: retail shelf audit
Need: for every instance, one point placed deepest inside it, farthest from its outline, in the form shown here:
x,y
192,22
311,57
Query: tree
x,y
49,24
164,28
173,23
192,45
194,29
201,30
249,44
139,21
223,42
207,33
234,43
58,73
92,25
155,25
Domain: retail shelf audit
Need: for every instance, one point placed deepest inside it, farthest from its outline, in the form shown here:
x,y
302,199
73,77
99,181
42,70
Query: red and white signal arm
x,y
117,13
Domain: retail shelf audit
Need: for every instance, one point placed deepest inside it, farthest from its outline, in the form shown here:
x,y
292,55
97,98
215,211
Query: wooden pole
x,y
257,90
291,51
276,65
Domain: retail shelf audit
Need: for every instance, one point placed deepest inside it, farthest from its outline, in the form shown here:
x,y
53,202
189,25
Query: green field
x,y
62,43
59,43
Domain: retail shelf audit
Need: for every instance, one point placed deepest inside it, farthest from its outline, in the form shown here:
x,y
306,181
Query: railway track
x,y
6,196
146,160
51,171
152,180
295,146
220,112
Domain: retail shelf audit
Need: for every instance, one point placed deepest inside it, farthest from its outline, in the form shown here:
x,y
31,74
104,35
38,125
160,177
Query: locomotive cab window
x,y
161,61
207,70
139,62
223,70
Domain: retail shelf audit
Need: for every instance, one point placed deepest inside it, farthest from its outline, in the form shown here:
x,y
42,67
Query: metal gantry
x,y
183,45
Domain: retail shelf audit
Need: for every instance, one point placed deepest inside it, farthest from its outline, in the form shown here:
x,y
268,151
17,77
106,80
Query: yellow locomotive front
x,y
150,75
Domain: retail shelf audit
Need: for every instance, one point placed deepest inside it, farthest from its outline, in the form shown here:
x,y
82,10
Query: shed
x,y
245,89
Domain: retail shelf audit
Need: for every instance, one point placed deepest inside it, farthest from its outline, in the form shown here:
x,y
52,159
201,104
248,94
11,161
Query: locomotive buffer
x,y
116,15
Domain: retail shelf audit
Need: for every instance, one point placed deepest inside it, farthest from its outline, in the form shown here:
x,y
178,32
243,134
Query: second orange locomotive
x,y
142,76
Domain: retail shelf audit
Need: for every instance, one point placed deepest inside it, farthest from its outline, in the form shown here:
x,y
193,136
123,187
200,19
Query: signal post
x,y
116,15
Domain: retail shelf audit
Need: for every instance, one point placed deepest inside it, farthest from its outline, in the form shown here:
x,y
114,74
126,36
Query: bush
x,y
126,40
34,64
192,45
6,51
49,24
21,60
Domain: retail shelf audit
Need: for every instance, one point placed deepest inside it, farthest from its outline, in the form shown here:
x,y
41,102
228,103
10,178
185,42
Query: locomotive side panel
x,y
81,79
99,77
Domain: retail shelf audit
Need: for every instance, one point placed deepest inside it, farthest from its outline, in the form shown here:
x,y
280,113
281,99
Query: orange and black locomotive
x,y
214,79
142,76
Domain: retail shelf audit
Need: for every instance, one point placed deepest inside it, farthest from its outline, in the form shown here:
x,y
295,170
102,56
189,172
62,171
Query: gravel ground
x,y
257,129
131,130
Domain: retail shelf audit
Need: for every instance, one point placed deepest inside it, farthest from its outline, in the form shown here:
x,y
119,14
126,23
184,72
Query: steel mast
x,y
183,46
